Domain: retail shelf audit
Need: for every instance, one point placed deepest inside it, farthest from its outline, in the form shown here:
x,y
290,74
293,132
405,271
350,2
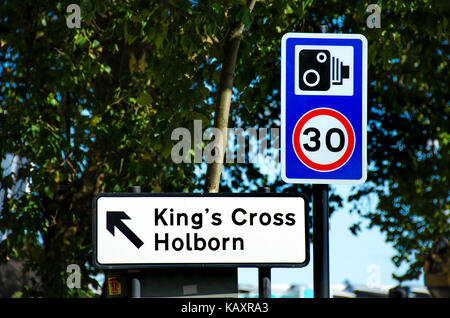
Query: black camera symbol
x,y
318,73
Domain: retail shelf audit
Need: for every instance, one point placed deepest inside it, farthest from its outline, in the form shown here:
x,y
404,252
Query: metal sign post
x,y
321,242
265,273
321,254
264,282
135,275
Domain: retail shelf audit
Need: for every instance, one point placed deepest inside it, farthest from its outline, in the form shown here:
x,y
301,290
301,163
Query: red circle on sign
x,y
350,135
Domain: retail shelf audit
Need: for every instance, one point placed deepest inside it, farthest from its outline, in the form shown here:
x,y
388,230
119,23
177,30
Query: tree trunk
x,y
231,48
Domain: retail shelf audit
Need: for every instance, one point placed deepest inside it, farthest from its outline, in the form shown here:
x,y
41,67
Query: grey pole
x,y
135,286
135,275
264,273
321,264
264,282
320,247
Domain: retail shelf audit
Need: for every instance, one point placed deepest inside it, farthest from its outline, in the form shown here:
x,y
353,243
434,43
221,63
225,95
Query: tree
x,y
92,110
408,137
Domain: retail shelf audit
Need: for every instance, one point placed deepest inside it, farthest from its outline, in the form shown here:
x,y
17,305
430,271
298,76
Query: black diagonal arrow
x,y
114,219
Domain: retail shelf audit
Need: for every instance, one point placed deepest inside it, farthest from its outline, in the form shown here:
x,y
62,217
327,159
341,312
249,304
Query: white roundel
x,y
316,135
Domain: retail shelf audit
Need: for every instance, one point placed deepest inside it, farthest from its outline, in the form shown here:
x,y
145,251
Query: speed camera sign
x,y
323,108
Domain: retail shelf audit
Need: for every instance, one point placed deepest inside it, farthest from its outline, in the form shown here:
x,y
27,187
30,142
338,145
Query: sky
x,y
364,259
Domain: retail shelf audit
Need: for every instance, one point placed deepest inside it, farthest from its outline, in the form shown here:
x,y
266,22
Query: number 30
x,y
315,138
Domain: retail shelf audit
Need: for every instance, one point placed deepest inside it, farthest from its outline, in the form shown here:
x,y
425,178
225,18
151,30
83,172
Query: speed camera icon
x,y
321,71
316,67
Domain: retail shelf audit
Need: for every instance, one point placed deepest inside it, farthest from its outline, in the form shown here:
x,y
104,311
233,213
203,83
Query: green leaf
x,y
145,99
243,15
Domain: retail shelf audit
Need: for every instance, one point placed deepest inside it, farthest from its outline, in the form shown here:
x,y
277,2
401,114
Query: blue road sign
x,y
324,108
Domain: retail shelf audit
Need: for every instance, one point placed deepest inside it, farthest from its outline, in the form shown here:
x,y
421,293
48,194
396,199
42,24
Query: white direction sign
x,y
138,230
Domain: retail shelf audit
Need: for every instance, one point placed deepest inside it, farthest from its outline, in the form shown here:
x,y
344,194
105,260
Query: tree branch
x,y
223,102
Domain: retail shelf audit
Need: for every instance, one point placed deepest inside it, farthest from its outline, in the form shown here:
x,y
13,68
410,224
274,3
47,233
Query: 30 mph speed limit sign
x,y
323,139
323,108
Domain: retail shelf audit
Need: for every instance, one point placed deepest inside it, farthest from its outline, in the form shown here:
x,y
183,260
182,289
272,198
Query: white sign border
x,y
291,35
197,265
